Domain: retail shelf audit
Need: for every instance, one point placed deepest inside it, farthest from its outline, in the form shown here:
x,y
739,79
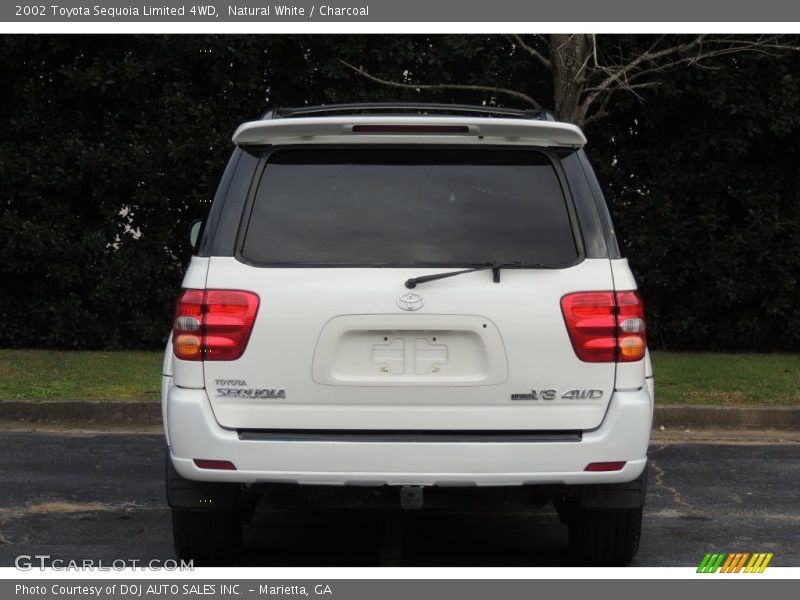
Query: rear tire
x,y
608,538
208,537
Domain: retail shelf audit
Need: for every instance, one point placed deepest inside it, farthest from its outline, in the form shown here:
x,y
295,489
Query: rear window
x,y
402,207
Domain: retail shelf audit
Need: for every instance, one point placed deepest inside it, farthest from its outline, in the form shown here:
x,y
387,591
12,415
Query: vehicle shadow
x,y
405,538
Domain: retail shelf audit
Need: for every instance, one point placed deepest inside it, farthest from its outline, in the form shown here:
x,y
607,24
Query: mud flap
x,y
614,496
183,493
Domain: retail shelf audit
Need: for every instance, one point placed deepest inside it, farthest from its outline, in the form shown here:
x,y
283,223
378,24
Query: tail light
x,y
224,465
604,466
605,326
213,324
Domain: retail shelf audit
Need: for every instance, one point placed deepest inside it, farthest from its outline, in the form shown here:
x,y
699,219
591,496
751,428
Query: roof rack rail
x,y
401,107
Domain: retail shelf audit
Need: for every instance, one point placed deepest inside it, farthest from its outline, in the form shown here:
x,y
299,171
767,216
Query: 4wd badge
x,y
553,394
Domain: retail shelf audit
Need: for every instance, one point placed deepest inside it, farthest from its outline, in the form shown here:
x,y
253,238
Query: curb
x,y
136,412
782,418
117,412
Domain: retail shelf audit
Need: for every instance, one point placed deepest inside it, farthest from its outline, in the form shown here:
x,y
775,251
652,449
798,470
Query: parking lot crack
x,y
3,539
677,497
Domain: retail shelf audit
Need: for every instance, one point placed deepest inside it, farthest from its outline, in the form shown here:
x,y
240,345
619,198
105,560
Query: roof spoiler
x,y
416,128
408,108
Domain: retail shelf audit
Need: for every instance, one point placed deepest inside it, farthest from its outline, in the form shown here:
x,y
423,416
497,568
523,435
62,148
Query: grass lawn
x,y
727,379
69,375
681,378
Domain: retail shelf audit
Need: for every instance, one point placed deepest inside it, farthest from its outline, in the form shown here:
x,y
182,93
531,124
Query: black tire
x,y
208,537
607,538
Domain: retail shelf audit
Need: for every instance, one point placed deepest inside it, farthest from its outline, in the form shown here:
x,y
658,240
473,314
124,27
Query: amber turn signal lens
x,y
632,347
187,347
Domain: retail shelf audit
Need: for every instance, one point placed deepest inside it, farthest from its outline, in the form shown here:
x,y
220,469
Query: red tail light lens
x,y
213,324
591,325
605,326
224,465
605,466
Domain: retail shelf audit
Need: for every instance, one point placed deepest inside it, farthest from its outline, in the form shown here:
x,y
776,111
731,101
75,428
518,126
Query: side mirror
x,y
194,232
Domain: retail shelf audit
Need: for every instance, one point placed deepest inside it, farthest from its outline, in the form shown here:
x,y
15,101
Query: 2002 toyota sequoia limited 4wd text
x,y
407,305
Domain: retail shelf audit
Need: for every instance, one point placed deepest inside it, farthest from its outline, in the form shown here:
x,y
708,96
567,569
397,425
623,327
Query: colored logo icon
x,y
738,562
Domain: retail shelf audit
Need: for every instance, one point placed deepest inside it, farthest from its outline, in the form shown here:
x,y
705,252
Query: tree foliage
x,y
702,180
111,145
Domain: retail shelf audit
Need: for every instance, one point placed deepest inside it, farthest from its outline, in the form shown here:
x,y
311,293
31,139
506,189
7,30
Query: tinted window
x,y
593,236
409,207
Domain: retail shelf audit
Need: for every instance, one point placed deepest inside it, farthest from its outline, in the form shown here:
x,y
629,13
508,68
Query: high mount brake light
x,y
213,324
605,326
410,129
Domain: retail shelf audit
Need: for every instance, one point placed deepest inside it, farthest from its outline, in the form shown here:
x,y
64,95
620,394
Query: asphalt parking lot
x,y
80,496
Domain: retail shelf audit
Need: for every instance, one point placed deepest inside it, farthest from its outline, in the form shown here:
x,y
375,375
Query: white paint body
x,y
349,357
319,336
195,433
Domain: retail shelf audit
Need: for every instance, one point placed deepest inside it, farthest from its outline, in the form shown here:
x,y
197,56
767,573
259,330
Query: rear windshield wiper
x,y
495,267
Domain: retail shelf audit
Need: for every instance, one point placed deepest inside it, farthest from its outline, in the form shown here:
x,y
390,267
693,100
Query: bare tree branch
x,y
582,75
626,87
531,50
594,50
738,47
443,86
616,76
601,112
560,48
587,71
699,49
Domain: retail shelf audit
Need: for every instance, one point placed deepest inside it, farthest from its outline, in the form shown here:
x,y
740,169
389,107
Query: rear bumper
x,y
193,432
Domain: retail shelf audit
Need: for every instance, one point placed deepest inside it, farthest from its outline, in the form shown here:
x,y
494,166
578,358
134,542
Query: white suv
x,y
406,304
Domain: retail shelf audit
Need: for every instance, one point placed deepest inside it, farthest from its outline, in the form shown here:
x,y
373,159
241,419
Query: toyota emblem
x,y
410,301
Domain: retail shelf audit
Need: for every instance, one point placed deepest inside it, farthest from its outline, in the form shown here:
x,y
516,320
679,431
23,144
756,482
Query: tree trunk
x,y
570,54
